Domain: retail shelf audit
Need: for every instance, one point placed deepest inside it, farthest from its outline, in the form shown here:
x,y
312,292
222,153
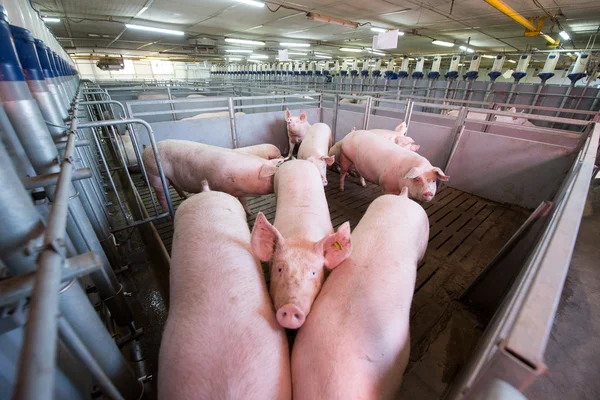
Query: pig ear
x,y
401,127
328,160
302,116
413,173
267,170
265,238
404,191
440,174
513,110
336,247
415,147
287,114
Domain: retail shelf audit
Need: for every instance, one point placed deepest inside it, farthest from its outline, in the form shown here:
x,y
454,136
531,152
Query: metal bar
x,y
80,143
336,107
33,182
367,113
36,365
21,286
78,349
233,129
154,147
136,223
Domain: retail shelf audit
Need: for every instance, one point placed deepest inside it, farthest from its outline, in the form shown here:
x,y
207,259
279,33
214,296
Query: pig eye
x,y
314,273
280,269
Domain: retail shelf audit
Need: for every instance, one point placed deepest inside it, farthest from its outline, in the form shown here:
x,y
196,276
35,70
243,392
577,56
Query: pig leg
x,y
180,192
156,184
291,152
345,166
362,181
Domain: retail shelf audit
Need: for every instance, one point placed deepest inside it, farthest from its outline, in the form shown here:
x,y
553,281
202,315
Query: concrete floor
x,y
573,353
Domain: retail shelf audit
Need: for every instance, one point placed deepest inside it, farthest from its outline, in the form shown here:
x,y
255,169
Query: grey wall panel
x,y
508,170
548,137
192,104
435,141
214,131
346,121
381,122
328,116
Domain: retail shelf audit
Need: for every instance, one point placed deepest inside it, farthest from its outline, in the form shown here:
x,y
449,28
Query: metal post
x,y
367,113
234,136
171,104
336,106
408,110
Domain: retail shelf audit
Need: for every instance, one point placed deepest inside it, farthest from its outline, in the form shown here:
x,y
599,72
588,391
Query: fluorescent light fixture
x,y
94,35
234,59
51,19
294,44
512,61
243,41
252,3
331,20
442,43
292,53
149,28
486,56
467,49
254,61
564,35
238,51
323,57
261,56
397,12
378,30
351,50
377,53
400,33
256,27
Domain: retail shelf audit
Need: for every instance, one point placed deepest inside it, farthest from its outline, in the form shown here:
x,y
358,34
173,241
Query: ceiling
x,y
98,25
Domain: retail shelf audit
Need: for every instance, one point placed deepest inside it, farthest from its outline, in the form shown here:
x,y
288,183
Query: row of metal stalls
x,y
72,133
64,320
542,170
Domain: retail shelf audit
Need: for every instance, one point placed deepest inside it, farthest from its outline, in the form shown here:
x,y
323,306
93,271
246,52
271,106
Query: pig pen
x,y
509,188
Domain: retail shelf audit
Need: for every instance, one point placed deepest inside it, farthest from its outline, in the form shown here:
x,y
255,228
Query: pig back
x,y
301,204
220,311
316,142
378,159
361,317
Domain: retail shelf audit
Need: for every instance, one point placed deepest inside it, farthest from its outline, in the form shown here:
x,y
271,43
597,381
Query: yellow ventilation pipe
x,y
515,16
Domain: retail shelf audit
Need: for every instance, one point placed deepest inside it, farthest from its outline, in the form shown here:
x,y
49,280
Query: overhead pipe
x,y
515,16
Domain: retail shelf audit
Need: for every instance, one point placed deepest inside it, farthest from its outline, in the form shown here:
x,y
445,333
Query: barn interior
x,y
87,87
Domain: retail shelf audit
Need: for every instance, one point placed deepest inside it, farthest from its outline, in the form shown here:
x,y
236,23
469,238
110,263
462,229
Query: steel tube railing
x,y
36,366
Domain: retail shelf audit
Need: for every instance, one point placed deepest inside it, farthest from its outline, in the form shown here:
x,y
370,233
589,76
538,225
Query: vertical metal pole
x,y
367,113
408,110
234,136
321,107
336,106
171,104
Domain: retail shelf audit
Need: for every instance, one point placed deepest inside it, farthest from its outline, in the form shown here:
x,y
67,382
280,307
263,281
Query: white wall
x,y
144,69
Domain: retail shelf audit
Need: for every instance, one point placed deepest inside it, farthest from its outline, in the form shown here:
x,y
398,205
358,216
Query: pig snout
x,y
290,316
427,196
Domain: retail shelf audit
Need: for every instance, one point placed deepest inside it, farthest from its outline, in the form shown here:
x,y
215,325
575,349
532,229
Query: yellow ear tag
x,y
338,245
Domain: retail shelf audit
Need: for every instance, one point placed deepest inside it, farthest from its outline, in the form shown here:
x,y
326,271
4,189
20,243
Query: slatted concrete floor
x,y
466,232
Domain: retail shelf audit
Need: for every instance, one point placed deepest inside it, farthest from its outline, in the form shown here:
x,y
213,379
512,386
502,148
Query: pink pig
x,y
398,136
266,151
297,127
380,161
300,243
315,148
355,344
221,339
187,163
